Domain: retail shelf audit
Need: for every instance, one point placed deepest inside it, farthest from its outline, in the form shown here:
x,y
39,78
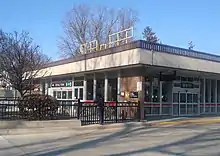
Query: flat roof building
x,y
167,80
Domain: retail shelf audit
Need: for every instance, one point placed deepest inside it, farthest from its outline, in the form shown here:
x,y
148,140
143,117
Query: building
x,y
6,90
166,80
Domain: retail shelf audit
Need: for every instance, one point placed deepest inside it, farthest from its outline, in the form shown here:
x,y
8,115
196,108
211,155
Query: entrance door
x,y
182,103
188,103
78,93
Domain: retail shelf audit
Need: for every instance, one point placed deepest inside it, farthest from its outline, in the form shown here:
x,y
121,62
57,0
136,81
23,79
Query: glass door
x,y
78,93
182,103
189,103
195,103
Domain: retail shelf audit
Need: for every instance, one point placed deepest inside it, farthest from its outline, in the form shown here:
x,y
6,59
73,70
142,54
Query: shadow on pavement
x,y
202,141
193,143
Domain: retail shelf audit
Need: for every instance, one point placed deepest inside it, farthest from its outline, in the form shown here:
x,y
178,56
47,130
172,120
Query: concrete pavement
x,y
33,128
182,140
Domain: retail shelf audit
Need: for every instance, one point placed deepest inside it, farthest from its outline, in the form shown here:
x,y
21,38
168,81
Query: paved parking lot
x,y
184,140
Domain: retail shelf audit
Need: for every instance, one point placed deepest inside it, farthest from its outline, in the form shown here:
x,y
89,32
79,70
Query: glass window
x,y
148,96
155,94
195,98
190,79
70,95
189,98
175,97
54,93
59,95
178,78
81,93
196,85
183,79
78,83
177,85
196,79
64,96
182,97
76,93
207,91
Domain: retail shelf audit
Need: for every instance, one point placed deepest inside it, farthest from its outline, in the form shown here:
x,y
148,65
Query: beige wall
x,y
176,61
128,57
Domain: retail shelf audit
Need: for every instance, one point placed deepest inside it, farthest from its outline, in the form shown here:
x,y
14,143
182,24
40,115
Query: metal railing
x,y
87,112
113,112
176,50
10,109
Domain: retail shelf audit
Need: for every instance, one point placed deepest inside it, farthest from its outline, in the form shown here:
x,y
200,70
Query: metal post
x,y
216,98
78,109
94,87
106,89
116,111
204,92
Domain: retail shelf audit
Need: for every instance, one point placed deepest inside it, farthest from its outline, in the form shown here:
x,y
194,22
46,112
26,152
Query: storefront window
x,y
195,98
147,97
189,98
201,90
69,94
207,91
175,98
59,95
81,93
156,93
64,95
167,92
212,91
182,97
54,93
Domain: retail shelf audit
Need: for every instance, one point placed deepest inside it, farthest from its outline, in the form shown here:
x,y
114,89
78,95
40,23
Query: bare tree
x,y
84,24
20,60
149,35
191,45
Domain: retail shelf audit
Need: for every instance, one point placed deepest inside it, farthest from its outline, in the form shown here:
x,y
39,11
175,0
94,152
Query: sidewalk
x,y
116,126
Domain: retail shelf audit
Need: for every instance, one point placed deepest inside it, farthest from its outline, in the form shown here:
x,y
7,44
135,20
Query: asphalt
x,y
172,140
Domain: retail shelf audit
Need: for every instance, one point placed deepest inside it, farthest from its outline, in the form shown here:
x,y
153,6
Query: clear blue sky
x,y
175,22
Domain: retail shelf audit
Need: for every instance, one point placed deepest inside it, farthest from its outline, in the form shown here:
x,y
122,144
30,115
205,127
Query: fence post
x,y
102,108
78,109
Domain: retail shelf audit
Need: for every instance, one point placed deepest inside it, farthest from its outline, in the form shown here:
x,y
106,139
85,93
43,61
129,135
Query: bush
x,y
38,107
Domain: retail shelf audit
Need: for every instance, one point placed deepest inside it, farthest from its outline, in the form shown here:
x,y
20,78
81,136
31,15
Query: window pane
x,y
195,98
183,97
189,98
183,79
190,79
54,93
177,85
81,93
78,83
76,93
64,95
59,95
175,97
70,95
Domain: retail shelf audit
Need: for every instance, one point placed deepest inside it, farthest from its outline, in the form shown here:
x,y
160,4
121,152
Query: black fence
x,y
113,112
10,109
87,112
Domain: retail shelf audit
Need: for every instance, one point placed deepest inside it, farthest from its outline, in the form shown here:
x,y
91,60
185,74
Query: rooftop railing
x,y
141,44
177,51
